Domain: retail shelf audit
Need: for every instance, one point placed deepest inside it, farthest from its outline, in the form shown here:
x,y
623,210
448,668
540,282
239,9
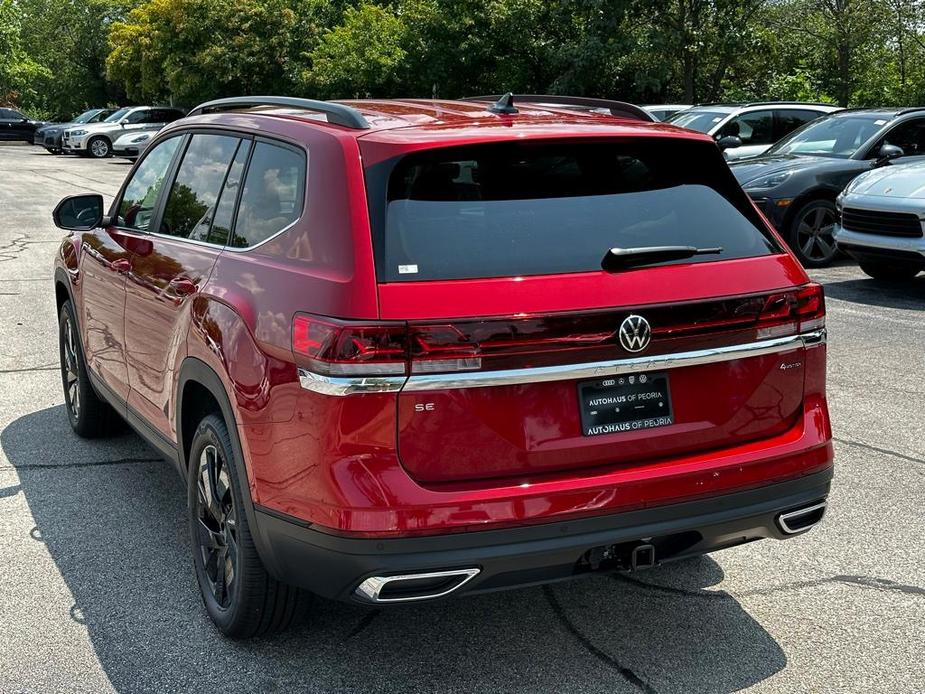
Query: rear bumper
x,y
334,566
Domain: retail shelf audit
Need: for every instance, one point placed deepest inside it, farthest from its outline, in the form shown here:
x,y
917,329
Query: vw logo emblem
x,y
635,333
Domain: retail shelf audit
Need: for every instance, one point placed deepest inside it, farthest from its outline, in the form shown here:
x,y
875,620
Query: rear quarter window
x,y
273,193
514,209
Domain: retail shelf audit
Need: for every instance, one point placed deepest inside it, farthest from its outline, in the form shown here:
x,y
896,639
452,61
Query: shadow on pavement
x,y
116,533
902,295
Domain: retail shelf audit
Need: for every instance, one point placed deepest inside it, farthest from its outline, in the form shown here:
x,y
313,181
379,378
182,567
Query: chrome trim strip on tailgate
x,y
339,386
655,362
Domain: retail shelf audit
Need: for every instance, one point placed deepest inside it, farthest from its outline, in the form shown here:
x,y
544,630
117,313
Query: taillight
x,y
793,312
343,348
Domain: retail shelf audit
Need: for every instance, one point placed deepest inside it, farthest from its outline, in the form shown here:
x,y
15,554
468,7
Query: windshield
x,y
701,121
834,136
514,209
117,115
86,116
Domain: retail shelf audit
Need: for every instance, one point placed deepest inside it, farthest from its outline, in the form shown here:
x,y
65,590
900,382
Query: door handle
x,y
122,265
183,286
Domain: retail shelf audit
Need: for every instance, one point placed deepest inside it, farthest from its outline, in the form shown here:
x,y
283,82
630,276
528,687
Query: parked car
x,y
96,139
664,111
132,144
880,216
17,126
795,184
49,136
401,350
748,130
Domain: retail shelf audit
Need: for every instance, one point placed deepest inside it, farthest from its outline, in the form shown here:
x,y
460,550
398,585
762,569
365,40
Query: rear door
x,y
528,358
177,260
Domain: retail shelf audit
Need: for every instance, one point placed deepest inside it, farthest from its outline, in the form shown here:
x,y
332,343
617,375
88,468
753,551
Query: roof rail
x,y
789,103
337,114
616,108
911,109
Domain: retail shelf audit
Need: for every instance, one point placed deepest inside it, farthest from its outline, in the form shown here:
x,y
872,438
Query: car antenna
x,y
504,105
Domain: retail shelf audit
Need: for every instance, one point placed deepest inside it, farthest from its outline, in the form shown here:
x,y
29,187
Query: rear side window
x,y
512,209
192,199
274,188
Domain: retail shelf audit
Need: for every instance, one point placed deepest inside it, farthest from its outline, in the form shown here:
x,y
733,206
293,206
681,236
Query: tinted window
x,y
141,193
167,116
832,136
908,136
274,189
701,121
756,128
511,209
790,120
188,212
224,209
139,117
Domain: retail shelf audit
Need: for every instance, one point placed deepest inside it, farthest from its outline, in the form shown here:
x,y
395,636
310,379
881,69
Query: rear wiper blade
x,y
617,259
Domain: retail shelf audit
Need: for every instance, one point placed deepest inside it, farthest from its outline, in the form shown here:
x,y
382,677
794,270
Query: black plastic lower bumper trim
x,y
333,565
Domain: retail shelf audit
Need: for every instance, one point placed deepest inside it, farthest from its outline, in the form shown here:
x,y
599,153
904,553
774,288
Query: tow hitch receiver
x,y
628,556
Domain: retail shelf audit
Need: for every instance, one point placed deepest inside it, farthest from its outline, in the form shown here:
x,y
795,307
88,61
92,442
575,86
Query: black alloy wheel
x,y
217,528
240,596
812,235
90,417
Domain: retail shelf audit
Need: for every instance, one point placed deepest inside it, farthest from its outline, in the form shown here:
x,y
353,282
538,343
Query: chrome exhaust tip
x,y
414,587
802,519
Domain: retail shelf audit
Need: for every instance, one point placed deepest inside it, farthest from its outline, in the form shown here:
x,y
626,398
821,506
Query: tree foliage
x,y
58,56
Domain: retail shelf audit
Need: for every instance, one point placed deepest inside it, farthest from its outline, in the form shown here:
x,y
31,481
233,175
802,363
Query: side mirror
x,y
888,153
729,142
79,212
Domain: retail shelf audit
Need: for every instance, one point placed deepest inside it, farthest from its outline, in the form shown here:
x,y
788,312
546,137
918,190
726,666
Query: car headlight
x,y
141,138
75,133
769,181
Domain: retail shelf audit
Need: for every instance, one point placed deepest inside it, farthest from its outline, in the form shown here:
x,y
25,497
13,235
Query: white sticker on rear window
x,y
407,269
880,122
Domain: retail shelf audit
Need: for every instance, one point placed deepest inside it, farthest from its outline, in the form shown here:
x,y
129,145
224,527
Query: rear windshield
x,y
515,209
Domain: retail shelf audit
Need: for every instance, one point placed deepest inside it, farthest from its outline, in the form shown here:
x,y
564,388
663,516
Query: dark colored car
x,y
796,182
401,350
49,136
17,126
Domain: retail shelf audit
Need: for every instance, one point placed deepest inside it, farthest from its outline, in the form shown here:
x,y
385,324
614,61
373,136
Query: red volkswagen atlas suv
x,y
402,350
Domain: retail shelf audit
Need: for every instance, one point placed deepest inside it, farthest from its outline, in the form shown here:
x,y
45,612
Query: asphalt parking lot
x,y
97,592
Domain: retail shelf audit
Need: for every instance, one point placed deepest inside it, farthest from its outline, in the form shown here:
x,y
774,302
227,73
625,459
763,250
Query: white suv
x,y
747,130
96,139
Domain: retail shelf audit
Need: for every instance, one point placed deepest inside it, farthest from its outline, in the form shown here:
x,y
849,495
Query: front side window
x,y
194,193
274,189
908,136
791,119
140,196
756,128
513,209
138,117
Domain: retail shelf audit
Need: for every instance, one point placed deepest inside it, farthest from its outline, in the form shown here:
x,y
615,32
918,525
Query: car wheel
x,y
890,271
90,416
242,599
99,148
812,233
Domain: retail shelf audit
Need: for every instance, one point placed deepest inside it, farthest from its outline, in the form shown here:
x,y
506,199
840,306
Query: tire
x,y
99,147
89,415
811,233
242,599
890,271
